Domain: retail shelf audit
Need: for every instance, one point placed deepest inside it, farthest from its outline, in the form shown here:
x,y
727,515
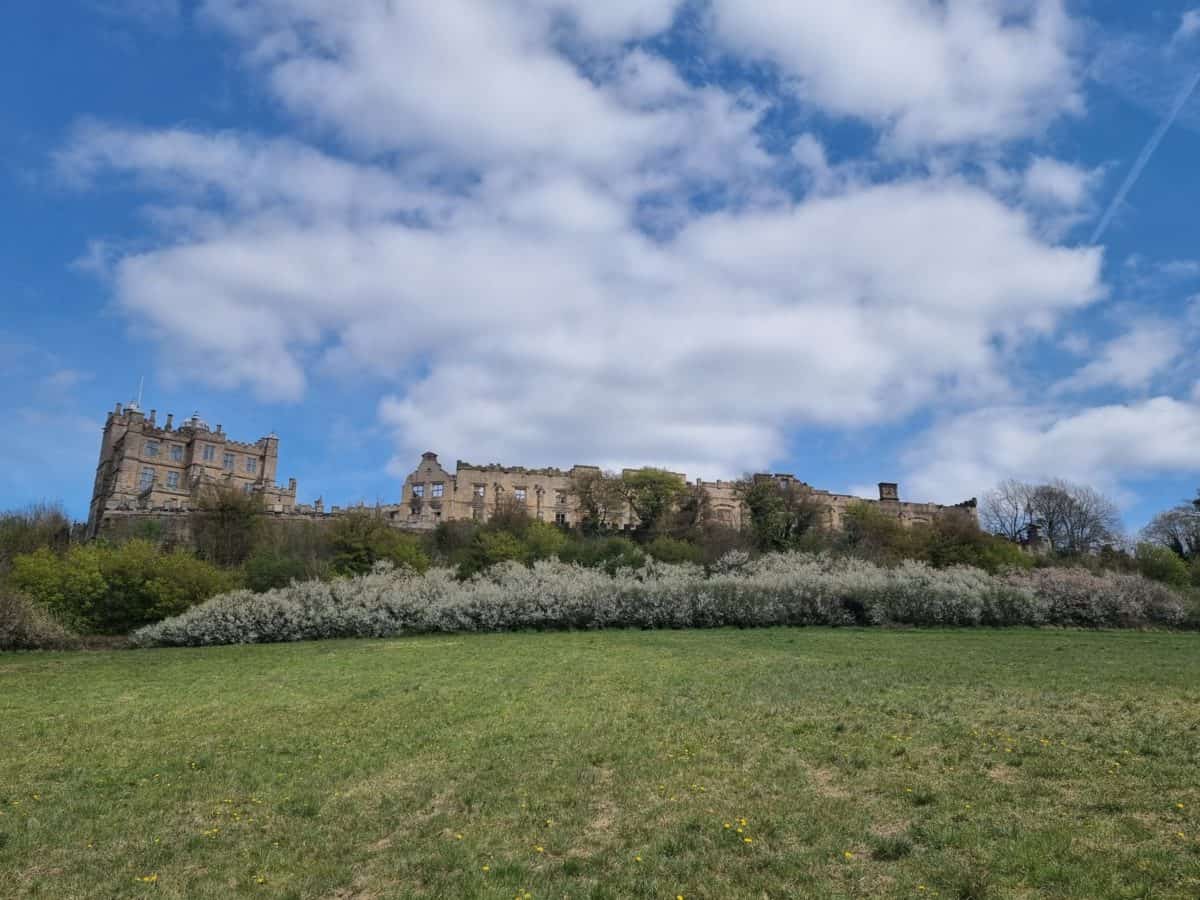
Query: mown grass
x,y
961,764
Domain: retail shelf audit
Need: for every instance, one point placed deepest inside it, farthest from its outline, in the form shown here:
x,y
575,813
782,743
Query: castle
x,y
148,471
431,495
145,467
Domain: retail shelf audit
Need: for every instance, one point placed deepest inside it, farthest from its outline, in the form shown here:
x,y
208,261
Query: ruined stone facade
x,y
146,467
431,495
148,471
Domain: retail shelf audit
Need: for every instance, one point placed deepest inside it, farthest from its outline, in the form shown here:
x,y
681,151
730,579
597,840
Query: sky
x,y
939,242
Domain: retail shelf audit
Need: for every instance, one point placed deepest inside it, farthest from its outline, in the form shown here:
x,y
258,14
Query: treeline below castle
x,y
678,568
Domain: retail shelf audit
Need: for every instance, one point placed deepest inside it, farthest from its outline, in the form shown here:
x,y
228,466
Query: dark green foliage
x,y
610,553
1160,564
112,589
360,539
225,525
266,570
781,512
651,494
669,550
30,528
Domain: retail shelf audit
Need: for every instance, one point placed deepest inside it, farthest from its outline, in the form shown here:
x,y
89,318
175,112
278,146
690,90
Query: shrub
x,y
266,570
609,553
361,539
1079,598
670,550
111,589
26,626
1160,564
543,541
777,589
32,528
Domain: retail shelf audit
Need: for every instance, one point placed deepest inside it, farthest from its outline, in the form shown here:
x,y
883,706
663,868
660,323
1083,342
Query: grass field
x,y
775,763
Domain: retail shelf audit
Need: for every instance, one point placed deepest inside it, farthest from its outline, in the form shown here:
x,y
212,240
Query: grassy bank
x,y
890,763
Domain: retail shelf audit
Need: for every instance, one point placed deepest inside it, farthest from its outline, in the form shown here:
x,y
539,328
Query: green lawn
x,y
855,764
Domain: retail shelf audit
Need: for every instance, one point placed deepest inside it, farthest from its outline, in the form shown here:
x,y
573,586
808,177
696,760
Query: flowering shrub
x,y
26,626
791,589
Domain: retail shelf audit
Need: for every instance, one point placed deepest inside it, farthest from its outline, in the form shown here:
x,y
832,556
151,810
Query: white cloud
x,y
1055,183
529,263
1131,360
1189,26
929,73
1097,445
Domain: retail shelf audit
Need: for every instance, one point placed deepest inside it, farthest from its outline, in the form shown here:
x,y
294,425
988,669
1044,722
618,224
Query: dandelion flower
x,y
1179,806
149,879
848,855
747,840
540,849
458,837
637,859
487,868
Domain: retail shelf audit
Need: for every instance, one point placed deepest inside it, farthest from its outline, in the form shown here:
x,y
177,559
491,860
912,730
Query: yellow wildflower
x,y
487,868
848,855
149,879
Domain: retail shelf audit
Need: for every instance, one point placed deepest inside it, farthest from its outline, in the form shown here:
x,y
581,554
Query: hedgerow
x,y
779,589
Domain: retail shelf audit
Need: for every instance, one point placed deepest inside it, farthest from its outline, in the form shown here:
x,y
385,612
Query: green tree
x,y
651,494
781,512
601,499
225,524
361,538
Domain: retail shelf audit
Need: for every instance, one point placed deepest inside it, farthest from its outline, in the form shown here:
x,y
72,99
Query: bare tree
x,y
1073,518
1006,509
1176,529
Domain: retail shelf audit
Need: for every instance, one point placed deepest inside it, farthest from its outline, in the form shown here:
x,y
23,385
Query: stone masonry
x,y
431,495
148,467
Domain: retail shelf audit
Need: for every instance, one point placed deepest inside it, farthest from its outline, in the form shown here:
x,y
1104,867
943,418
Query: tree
x,y
225,523
1074,518
1176,529
1006,509
362,538
651,494
600,497
780,512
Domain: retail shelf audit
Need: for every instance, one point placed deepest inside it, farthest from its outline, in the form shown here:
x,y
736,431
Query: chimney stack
x,y
152,412
170,420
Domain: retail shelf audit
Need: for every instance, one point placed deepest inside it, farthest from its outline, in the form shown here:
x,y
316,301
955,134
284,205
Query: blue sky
x,y
852,243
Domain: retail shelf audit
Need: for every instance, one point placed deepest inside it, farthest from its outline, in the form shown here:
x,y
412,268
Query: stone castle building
x,y
431,495
145,466
152,471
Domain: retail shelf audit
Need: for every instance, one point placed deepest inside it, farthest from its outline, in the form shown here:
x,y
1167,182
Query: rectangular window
x,y
560,497
147,478
173,480
151,448
229,461
439,489
251,464
176,453
248,488
560,518
418,490
479,489
210,453
519,493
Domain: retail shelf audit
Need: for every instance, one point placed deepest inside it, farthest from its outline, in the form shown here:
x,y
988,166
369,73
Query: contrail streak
x,y
1148,151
